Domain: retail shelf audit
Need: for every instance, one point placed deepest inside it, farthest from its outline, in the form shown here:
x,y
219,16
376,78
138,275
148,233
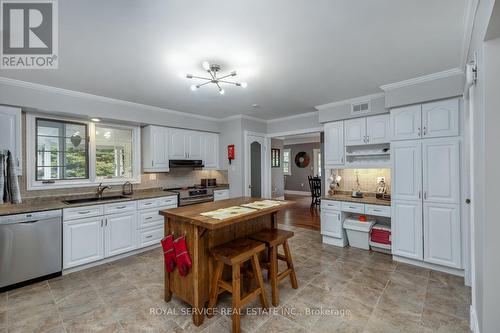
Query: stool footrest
x,y
250,296
284,274
226,286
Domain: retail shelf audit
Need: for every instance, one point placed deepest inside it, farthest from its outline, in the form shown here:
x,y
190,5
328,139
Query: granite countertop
x,y
367,199
51,203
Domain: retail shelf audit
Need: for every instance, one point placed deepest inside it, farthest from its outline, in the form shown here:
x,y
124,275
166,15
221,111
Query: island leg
x,y
199,283
167,290
274,220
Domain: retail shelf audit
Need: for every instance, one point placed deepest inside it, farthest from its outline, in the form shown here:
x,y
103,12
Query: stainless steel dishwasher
x,y
30,247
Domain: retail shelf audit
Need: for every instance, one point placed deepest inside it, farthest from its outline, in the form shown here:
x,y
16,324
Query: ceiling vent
x,y
360,108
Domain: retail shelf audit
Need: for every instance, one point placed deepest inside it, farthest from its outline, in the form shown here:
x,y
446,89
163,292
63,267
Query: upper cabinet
x,y
367,130
155,149
10,134
334,143
162,144
429,120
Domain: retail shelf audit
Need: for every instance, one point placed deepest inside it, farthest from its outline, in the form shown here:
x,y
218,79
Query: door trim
x,y
265,163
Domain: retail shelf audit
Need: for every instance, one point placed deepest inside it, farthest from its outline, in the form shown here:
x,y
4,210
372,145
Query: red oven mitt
x,y
168,252
182,256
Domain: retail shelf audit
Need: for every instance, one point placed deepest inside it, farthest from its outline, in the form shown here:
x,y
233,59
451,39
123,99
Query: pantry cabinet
x,y
334,143
407,170
119,233
406,228
10,134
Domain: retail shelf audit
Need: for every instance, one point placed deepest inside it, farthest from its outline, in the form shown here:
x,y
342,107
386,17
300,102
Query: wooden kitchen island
x,y
203,233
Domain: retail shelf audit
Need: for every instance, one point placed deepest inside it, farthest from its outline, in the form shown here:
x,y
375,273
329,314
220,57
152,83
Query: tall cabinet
x,y
10,134
426,222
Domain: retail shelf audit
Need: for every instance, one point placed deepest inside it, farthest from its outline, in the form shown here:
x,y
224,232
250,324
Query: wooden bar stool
x,y
274,238
234,254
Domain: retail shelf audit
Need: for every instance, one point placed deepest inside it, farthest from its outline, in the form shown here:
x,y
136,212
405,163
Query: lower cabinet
x,y
331,223
119,233
83,241
407,229
221,195
442,235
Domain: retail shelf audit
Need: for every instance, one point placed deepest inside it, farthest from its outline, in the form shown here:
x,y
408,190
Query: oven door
x,y
195,200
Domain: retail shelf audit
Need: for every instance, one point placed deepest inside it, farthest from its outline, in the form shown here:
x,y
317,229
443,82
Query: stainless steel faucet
x,y
100,189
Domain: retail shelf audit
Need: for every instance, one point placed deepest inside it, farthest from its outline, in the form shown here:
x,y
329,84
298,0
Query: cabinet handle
x,y
419,132
17,159
102,222
419,195
367,138
149,236
106,222
425,130
85,212
149,218
152,162
121,207
425,195
147,203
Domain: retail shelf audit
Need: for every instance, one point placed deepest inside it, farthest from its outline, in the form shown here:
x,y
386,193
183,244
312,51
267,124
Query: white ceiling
x,y
294,54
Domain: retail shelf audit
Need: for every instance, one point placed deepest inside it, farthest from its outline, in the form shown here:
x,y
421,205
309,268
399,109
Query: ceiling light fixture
x,y
96,120
213,69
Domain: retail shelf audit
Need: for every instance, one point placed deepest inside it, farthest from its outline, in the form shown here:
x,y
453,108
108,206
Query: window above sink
x,y
68,153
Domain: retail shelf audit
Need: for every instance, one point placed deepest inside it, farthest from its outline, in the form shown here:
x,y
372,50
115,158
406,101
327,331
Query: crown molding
x,y
469,18
243,116
349,101
422,79
296,116
73,93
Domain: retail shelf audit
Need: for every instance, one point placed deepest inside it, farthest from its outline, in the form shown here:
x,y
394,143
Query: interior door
x,y
441,170
407,229
334,143
440,118
442,235
178,149
406,171
120,233
406,122
355,131
83,241
377,129
255,174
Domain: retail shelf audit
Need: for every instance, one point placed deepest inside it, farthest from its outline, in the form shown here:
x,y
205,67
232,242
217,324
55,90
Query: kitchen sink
x,y
94,199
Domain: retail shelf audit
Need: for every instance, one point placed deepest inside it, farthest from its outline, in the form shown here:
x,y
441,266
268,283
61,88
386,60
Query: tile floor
x,y
340,290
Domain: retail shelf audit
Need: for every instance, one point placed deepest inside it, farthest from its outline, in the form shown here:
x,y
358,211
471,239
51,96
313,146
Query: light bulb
x,y
193,87
206,65
221,91
244,84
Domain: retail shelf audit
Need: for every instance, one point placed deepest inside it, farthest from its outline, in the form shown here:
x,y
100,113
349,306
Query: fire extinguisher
x,y
230,153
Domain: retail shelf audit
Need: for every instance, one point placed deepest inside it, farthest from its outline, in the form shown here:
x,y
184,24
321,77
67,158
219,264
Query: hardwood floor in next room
x,y
301,214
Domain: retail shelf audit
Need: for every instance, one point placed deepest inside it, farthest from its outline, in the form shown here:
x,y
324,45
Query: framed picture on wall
x,y
275,158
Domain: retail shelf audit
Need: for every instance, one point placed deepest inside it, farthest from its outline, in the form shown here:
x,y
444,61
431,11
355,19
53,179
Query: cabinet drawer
x,y
82,212
147,203
120,207
150,236
378,210
167,201
353,207
329,204
149,218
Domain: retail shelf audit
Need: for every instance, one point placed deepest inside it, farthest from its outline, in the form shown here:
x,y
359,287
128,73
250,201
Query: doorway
x,y
255,169
256,155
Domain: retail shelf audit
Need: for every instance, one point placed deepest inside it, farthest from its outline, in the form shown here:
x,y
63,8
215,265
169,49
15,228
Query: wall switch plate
x,y
380,179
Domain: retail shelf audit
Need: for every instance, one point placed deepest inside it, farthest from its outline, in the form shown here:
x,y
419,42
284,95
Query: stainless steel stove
x,y
192,195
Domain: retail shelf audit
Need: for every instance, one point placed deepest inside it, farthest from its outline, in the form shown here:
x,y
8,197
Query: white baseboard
x,y
110,259
304,193
452,271
474,325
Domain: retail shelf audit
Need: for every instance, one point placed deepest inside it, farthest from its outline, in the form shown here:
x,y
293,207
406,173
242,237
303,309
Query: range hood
x,y
186,164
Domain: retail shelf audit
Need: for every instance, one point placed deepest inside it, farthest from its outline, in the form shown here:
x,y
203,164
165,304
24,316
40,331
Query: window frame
x,y
289,173
93,180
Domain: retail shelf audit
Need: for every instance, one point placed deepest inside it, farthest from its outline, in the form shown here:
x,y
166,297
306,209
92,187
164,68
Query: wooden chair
x,y
274,238
315,186
234,254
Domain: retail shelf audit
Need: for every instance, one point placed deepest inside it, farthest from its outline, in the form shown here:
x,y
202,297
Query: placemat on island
x,y
263,204
229,212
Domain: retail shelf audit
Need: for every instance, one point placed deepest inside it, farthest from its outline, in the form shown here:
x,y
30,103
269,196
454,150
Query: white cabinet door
x,y
10,134
178,144
406,172
194,142
440,118
377,129
406,122
221,195
120,233
355,131
406,224
334,143
442,236
331,223
82,241
441,170
155,149
211,151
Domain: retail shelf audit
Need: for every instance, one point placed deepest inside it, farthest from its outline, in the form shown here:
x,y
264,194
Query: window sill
x,y
38,186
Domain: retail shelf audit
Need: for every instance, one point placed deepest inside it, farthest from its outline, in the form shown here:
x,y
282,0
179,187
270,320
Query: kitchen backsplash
x,y
367,179
174,178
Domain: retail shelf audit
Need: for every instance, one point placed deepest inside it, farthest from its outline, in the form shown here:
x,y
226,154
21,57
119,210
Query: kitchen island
x,y
202,234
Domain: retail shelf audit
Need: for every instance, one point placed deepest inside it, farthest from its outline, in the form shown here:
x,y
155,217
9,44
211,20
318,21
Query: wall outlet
x,y
380,179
